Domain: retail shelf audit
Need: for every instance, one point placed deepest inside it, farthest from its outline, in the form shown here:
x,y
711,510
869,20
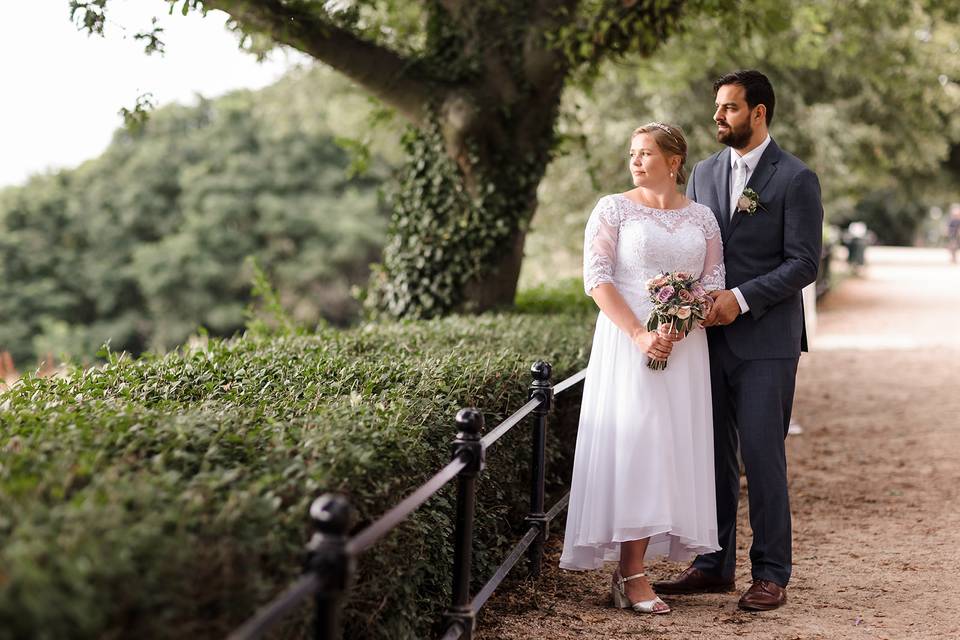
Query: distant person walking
x,y
953,231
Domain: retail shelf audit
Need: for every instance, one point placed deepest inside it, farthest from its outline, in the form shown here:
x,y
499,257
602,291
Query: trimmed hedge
x,y
166,497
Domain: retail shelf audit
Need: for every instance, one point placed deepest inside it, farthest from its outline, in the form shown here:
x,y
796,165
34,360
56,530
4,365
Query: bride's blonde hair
x,y
670,139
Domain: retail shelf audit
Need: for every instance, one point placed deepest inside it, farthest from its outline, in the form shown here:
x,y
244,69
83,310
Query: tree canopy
x,y
148,242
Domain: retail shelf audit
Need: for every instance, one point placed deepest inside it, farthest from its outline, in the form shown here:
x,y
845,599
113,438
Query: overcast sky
x,y
61,89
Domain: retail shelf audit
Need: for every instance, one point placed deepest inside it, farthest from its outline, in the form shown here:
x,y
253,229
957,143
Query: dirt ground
x,y
874,482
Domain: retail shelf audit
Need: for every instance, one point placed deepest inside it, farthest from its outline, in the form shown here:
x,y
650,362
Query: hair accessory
x,y
667,130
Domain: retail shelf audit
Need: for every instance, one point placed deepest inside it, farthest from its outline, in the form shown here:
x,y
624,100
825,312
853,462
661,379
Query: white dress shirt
x,y
750,160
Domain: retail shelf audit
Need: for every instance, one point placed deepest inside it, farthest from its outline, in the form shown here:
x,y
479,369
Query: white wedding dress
x,y
644,460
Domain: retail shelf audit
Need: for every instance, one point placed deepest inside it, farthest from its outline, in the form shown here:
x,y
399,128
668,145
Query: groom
x,y
767,203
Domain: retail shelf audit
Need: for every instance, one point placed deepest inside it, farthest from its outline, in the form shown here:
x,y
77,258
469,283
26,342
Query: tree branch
x,y
398,81
617,27
541,60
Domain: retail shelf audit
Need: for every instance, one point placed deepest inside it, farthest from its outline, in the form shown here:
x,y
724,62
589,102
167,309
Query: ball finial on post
x,y
469,421
331,514
541,371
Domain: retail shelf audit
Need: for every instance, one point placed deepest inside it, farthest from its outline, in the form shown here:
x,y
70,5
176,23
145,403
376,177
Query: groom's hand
x,y
724,310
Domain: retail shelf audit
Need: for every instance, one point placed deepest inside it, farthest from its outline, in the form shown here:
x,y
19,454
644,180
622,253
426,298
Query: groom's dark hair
x,y
756,86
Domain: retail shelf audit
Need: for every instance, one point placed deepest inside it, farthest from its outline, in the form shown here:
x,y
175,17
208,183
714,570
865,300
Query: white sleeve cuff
x,y
744,307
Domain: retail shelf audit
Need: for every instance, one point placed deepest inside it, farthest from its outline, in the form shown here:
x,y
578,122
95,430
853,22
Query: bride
x,y
643,483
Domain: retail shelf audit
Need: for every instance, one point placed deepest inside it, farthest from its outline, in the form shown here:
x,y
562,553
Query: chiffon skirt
x,y
643,465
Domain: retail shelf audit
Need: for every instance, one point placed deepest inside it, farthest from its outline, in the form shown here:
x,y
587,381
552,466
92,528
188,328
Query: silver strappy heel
x,y
621,601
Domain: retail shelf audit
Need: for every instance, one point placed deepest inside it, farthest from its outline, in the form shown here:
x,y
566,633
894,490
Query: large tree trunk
x,y
458,230
461,210
499,287
473,175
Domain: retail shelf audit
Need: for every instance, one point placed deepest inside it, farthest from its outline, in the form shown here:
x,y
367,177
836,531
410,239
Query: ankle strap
x,y
633,577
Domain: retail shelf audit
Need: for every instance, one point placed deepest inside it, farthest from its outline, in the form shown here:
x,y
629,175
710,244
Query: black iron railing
x,y
331,555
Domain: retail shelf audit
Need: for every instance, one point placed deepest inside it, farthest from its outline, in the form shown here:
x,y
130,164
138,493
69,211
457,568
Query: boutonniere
x,y
749,202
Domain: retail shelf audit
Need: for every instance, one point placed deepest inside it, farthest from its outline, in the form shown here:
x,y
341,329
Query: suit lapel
x,y
758,180
721,182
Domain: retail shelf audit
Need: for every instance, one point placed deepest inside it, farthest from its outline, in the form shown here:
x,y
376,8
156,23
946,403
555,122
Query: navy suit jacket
x,y
770,255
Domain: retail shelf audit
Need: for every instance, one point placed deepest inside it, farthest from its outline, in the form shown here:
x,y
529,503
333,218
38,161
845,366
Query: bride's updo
x,y
670,139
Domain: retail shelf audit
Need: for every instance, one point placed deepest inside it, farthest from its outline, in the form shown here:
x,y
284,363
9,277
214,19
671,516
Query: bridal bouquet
x,y
680,301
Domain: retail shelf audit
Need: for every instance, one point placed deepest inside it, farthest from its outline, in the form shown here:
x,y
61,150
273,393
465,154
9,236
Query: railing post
x,y
541,389
469,428
328,559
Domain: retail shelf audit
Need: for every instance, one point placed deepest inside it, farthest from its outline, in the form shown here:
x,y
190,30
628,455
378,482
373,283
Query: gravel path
x,y
874,481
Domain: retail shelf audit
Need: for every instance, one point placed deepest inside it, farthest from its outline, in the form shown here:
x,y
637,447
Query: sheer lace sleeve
x,y
714,274
600,244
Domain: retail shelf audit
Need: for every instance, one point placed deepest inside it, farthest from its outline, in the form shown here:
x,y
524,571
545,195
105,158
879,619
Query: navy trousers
x,y
752,401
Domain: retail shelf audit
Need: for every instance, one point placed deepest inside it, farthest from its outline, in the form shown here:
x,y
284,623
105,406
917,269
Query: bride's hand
x,y
667,332
652,344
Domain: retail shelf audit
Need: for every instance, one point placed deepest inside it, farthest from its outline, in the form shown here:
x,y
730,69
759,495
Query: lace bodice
x,y
627,243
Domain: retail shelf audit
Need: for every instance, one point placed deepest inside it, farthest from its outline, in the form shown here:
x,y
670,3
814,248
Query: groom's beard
x,y
736,138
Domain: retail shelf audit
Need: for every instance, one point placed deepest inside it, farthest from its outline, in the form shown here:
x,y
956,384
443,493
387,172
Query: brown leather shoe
x,y
693,580
763,595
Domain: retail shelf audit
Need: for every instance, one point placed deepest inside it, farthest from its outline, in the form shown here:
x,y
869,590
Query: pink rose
x,y
698,290
656,283
686,296
743,203
681,275
683,313
664,294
